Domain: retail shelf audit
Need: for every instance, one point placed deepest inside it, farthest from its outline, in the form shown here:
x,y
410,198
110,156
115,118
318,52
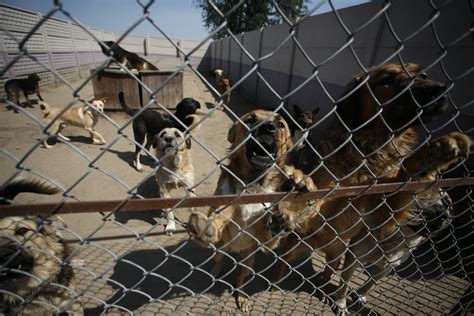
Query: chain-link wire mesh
x,y
362,206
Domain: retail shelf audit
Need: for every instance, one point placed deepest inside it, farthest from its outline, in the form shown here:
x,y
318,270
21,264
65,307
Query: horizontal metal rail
x,y
137,205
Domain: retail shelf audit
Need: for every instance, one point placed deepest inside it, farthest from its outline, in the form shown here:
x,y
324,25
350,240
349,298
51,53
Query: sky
x,y
178,18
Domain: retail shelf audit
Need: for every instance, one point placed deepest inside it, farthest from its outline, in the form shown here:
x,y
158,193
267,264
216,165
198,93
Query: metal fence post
x,y
46,44
75,50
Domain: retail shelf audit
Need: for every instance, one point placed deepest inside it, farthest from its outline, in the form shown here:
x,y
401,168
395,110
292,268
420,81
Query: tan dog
x,y
32,251
374,231
384,138
83,116
223,84
259,163
175,167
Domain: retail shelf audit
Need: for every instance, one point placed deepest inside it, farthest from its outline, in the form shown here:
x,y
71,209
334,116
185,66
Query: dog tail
x,y
19,185
44,107
193,119
124,105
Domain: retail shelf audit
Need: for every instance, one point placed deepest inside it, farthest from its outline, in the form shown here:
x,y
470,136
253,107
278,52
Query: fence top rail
x,y
150,204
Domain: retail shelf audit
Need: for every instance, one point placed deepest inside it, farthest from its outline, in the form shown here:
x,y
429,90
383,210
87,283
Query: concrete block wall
x,y
70,51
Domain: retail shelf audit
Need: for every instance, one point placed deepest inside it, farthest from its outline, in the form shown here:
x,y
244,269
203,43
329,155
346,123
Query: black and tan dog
x,y
260,164
386,140
33,259
127,59
30,85
149,123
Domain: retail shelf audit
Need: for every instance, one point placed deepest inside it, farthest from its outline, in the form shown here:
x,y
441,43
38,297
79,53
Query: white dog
x,y
176,168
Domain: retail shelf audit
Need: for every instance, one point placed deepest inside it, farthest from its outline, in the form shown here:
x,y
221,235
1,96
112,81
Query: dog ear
x,y
315,111
104,100
297,109
349,108
154,141
231,134
188,143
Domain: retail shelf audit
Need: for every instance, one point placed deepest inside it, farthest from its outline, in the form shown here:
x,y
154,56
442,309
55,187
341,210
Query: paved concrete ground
x,y
158,267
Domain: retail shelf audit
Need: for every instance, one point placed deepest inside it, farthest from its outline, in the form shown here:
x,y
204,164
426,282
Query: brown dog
x,y
385,234
223,84
259,163
36,276
83,116
385,139
30,85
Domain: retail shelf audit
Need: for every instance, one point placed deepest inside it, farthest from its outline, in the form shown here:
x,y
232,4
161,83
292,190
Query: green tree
x,y
251,15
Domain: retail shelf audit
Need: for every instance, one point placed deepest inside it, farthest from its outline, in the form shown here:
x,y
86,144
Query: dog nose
x,y
168,139
270,127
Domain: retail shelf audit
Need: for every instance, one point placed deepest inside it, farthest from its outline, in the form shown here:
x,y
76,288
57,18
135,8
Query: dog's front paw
x,y
449,149
170,228
339,307
243,303
201,228
297,179
280,222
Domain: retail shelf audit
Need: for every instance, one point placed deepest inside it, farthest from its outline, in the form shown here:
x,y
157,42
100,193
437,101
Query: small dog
x,y
83,116
30,85
299,131
32,251
175,167
252,168
149,123
126,58
223,84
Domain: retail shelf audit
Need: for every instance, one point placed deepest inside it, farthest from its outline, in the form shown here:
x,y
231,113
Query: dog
x,y
258,165
223,84
390,228
32,251
384,160
303,120
149,123
127,59
175,167
30,85
83,116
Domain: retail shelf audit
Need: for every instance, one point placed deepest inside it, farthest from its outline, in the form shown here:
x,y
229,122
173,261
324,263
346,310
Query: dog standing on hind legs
x,y
261,167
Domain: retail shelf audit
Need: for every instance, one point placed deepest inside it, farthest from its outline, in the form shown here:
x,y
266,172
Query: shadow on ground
x,y
171,274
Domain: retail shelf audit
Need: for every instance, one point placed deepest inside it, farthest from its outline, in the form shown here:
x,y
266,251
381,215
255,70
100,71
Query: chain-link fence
x,y
358,199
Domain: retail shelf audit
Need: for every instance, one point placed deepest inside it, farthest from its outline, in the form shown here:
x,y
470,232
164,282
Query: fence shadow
x,y
129,156
174,276
148,189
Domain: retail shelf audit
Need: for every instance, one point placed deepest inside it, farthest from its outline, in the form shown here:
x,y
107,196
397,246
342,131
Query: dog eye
x,y
21,231
423,75
250,120
280,124
386,81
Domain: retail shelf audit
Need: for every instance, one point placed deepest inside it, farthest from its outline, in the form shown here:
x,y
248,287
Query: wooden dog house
x,y
110,81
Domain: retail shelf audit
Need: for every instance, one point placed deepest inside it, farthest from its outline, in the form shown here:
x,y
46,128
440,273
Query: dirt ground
x,y
167,274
